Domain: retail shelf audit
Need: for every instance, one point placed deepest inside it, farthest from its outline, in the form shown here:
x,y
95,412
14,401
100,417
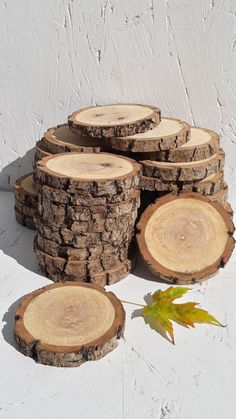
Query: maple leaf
x,y
162,310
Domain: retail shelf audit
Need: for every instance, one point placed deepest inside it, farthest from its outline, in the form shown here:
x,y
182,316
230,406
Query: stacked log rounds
x,y
26,200
186,238
88,204
65,325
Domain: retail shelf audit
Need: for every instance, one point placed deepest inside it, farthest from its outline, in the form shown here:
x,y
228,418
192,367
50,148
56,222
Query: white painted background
x,y
58,55
55,56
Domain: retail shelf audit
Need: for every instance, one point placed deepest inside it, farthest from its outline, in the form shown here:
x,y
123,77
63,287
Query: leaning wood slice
x,y
86,199
67,324
60,139
202,144
40,152
107,254
169,134
229,209
60,269
94,173
210,185
68,237
184,172
185,238
25,220
220,196
114,120
25,191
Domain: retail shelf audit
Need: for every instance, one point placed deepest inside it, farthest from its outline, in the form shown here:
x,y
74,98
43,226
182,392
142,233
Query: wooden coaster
x,y
202,143
67,324
114,120
40,152
229,209
60,269
185,238
72,238
109,255
184,172
25,191
95,173
24,209
60,139
211,184
25,220
220,196
86,198
169,133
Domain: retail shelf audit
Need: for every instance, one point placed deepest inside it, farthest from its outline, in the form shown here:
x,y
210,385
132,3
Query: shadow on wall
x,y
15,169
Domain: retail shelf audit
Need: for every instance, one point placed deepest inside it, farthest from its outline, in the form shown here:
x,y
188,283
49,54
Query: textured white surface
x,y
59,55
55,57
145,377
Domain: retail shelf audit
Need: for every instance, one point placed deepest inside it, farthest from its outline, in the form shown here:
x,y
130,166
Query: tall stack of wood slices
x,y
84,201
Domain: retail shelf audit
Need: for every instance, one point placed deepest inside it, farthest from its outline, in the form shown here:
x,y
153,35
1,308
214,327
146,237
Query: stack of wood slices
x,y
176,157
88,199
26,200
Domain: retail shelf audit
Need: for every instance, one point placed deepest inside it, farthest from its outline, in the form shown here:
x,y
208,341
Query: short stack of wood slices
x,y
26,201
176,157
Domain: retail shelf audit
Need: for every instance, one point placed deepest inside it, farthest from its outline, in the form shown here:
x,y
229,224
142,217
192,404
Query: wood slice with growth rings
x,y
97,174
40,152
186,238
170,133
202,143
67,324
184,172
114,120
25,191
61,139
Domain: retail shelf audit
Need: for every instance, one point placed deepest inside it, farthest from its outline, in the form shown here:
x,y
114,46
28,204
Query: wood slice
x,y
220,196
229,209
25,220
68,237
108,255
67,324
95,173
41,151
184,172
185,238
25,191
60,269
202,143
114,120
211,184
169,133
60,139
86,199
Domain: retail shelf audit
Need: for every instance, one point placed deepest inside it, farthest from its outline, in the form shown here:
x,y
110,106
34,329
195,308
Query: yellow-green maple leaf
x,y
162,310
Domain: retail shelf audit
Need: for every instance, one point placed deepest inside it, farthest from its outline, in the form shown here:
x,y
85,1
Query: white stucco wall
x,y
58,55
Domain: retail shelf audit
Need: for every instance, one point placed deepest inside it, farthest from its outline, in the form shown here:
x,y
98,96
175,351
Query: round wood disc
x,y
169,133
229,209
211,184
40,151
185,238
186,171
60,139
202,143
61,269
114,120
95,173
24,220
67,324
24,209
220,196
25,191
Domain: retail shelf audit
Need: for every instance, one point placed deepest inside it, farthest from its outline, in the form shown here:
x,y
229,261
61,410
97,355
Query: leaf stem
x,y
130,302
